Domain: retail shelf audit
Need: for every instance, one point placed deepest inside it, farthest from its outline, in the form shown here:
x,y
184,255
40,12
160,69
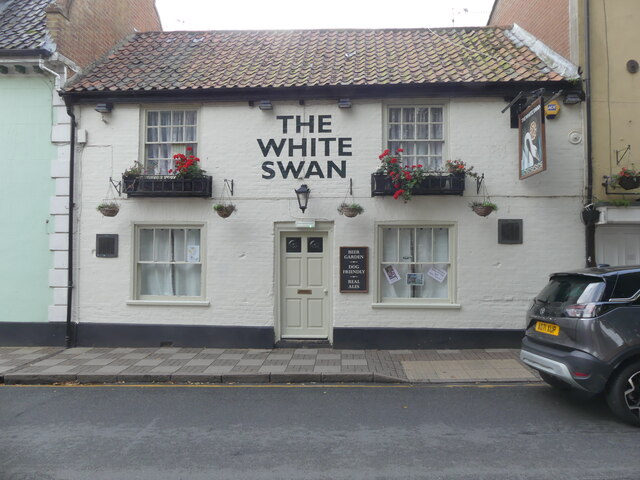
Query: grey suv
x,y
583,331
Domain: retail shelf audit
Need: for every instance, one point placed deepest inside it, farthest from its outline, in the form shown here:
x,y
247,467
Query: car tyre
x,y
554,381
623,394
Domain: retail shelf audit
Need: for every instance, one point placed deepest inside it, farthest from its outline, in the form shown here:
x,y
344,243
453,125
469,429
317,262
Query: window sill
x,y
176,303
454,306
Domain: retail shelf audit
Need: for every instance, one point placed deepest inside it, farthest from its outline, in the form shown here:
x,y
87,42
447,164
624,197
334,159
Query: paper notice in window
x,y
193,253
391,273
437,274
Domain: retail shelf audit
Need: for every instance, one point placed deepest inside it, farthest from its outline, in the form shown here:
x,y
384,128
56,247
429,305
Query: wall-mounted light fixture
x,y
344,103
303,196
265,105
572,98
104,107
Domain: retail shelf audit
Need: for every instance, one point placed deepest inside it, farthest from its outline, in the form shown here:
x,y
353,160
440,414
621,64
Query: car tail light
x,y
581,310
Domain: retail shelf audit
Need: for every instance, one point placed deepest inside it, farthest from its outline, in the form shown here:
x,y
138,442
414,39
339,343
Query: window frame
x,y
450,301
174,145
417,103
136,297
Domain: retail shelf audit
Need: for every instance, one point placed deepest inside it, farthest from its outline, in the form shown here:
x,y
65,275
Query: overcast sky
x,y
297,14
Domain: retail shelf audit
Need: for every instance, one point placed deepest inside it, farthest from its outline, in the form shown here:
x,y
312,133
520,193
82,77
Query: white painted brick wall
x,y
494,282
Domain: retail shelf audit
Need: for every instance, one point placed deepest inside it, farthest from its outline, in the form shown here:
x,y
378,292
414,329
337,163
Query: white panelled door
x,y
304,305
618,245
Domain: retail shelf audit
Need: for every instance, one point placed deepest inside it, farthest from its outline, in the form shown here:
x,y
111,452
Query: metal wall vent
x,y
106,245
510,231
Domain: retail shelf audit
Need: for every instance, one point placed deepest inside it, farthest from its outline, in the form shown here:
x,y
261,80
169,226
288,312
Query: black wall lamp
x,y
104,107
265,105
571,98
303,196
344,103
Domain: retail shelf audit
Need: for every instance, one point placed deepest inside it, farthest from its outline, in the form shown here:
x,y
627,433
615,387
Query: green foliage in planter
x,y
134,171
354,207
222,206
485,204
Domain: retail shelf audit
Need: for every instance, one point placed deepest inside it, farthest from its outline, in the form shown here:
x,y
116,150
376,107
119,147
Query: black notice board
x,y
354,269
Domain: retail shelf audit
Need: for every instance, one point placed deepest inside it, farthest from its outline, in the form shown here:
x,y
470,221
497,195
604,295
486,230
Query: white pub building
x,y
226,157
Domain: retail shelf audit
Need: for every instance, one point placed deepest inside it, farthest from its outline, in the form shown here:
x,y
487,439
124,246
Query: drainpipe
x,y
590,230
42,66
70,335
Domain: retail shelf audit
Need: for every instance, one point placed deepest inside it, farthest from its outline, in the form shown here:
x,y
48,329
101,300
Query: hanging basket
x,y
629,183
350,209
109,210
350,212
224,211
482,210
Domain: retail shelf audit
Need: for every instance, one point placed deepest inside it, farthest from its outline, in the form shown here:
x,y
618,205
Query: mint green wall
x,y
26,187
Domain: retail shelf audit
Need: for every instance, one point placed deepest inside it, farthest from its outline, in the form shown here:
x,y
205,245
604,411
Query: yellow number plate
x,y
549,328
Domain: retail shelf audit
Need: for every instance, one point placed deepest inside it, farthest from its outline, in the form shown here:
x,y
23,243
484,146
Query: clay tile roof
x,y
312,58
23,24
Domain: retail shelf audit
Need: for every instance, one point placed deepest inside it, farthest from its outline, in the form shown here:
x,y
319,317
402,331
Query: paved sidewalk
x,y
46,365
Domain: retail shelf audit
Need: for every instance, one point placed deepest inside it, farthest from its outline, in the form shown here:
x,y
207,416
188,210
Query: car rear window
x,y
572,289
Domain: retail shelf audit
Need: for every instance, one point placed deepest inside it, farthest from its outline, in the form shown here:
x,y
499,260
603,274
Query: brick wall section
x,y
84,30
546,19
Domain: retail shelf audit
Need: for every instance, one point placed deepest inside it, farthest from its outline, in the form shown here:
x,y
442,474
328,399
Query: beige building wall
x,y
615,92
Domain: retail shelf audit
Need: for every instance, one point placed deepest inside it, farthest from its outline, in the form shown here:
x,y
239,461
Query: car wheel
x,y
554,381
623,395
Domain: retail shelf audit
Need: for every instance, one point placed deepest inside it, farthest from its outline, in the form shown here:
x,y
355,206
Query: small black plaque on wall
x,y
354,269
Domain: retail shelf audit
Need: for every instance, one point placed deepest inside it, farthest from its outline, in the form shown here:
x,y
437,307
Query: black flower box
x,y
166,186
436,184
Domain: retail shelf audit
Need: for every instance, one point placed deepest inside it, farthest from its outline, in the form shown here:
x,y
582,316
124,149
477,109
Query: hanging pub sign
x,y
354,269
533,153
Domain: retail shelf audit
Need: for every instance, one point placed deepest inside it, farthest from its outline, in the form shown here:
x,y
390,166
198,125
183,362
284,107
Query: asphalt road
x,y
319,432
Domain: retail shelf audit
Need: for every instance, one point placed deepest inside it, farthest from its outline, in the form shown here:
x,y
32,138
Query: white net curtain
x,y
169,262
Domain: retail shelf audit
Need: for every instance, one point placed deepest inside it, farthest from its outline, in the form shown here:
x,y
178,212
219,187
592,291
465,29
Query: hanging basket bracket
x,y
117,186
229,185
479,181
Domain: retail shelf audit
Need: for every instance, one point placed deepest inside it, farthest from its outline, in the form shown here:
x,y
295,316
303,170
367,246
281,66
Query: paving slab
x,y
214,365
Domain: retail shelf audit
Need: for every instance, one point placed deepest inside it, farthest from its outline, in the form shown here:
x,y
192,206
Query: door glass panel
x,y
294,245
314,245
